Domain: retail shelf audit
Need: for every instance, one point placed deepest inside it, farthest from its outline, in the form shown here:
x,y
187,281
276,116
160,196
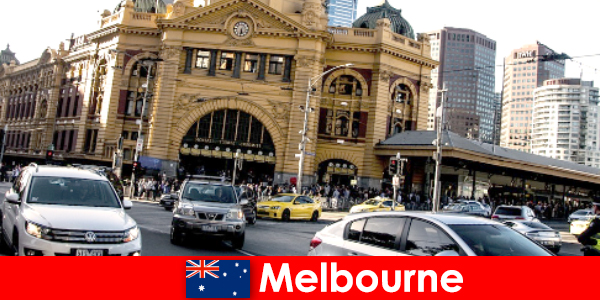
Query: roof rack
x,y
209,178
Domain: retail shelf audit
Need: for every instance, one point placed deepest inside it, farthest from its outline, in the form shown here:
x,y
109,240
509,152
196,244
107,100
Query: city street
x,y
266,238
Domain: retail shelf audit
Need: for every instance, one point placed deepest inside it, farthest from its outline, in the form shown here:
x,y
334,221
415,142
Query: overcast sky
x,y
570,27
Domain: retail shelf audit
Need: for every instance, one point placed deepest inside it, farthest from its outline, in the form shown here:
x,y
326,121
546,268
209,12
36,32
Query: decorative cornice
x,y
408,57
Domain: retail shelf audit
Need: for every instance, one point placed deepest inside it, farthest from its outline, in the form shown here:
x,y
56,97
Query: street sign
x,y
311,154
297,155
138,122
396,181
353,182
139,145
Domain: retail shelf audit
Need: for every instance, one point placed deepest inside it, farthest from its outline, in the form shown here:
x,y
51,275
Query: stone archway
x,y
194,113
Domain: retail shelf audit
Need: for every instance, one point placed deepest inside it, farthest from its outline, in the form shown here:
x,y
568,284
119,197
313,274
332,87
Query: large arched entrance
x,y
337,172
210,146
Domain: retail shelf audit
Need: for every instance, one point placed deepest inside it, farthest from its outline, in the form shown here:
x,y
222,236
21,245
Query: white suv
x,y
66,211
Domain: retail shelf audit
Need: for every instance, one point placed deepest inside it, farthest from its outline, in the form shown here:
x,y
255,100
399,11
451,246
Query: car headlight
x,y
275,207
532,235
235,214
185,209
131,234
38,231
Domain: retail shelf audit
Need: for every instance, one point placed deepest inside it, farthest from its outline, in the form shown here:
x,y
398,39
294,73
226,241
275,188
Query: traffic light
x,y
49,154
393,167
135,165
402,180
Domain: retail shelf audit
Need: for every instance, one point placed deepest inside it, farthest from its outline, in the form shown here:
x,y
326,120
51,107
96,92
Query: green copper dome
x,y
398,24
147,6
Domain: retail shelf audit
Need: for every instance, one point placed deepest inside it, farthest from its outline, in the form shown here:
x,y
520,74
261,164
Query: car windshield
x,y
497,240
510,211
581,212
372,202
72,192
208,193
283,199
536,225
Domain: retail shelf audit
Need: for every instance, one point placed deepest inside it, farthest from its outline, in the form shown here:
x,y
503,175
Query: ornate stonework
x,y
280,110
311,13
168,52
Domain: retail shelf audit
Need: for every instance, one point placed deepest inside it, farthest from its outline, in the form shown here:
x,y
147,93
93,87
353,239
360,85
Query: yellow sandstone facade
x,y
226,76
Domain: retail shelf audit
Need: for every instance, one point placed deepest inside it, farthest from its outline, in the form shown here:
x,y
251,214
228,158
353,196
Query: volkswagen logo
x,y
90,237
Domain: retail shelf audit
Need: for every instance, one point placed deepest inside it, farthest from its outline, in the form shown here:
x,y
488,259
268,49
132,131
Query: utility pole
x,y
438,157
398,176
149,64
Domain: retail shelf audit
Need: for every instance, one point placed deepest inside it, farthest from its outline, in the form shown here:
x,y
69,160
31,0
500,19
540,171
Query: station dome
x,y
147,6
384,10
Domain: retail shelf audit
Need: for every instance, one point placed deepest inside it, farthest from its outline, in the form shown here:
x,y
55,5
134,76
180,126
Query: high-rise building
x,y
524,71
565,121
342,12
466,69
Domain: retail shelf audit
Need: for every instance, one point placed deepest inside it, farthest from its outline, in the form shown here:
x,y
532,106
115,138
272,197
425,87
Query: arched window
x,y
346,85
402,94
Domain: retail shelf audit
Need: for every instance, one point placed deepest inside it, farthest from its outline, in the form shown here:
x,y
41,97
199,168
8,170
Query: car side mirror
x,y
244,201
127,204
448,253
13,198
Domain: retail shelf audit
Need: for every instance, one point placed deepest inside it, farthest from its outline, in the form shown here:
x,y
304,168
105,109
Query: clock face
x,y
241,29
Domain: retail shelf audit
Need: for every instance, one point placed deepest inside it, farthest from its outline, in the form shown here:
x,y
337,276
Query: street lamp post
x,y
148,64
438,157
307,111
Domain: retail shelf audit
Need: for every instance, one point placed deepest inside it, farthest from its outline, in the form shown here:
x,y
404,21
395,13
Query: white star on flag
x,y
234,293
245,270
237,265
201,288
224,274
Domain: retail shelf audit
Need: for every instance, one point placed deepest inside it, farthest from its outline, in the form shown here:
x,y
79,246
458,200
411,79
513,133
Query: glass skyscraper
x,y
341,12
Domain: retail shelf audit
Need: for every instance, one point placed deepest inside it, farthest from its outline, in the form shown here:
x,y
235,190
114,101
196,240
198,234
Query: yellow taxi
x,y
290,206
376,204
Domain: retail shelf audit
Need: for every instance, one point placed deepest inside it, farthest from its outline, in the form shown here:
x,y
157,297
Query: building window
x,y
227,59
203,59
276,64
251,63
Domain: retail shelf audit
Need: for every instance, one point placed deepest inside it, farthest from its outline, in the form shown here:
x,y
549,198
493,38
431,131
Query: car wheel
x,y
238,242
555,250
168,208
252,220
285,216
315,216
176,236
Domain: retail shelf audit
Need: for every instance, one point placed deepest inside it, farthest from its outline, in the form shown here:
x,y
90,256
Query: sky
x,y
32,26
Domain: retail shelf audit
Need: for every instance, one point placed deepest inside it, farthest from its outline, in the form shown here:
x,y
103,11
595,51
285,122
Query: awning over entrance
x,y
489,157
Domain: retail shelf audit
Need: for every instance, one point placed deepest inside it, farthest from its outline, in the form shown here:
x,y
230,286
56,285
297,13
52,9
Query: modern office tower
x,y
565,121
467,60
342,12
524,71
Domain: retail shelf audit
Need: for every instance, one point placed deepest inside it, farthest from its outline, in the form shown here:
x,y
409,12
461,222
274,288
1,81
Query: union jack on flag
x,y
202,268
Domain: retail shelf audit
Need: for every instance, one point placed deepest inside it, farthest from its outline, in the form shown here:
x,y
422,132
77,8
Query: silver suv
x,y
209,208
67,211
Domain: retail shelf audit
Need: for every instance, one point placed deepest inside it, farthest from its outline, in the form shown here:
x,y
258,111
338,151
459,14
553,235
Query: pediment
x,y
265,19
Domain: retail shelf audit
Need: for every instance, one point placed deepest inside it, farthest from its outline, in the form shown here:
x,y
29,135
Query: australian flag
x,y
217,279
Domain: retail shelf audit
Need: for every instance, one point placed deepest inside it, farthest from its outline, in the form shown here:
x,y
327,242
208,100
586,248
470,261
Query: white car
x,y
59,211
581,215
420,234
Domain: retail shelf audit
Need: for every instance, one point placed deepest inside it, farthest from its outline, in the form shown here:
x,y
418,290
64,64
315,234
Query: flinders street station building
x,y
206,83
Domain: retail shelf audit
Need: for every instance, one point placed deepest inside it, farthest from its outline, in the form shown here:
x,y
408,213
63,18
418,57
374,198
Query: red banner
x,y
300,277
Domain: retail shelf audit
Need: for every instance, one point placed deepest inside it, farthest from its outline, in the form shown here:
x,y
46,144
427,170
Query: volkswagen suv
x,y
66,211
209,207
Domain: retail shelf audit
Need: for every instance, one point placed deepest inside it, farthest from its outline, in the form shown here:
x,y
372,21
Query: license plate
x,y
169,203
209,228
89,252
